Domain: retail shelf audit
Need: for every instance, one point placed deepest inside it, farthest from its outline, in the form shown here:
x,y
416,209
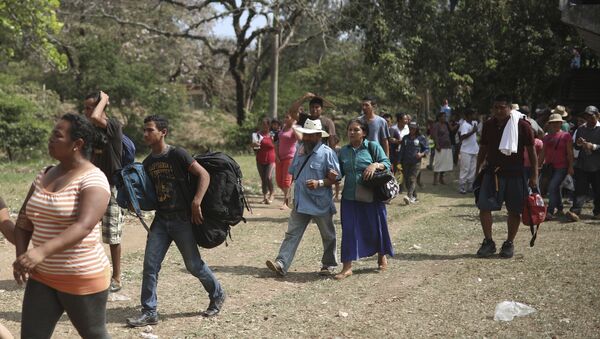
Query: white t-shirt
x,y
404,131
469,145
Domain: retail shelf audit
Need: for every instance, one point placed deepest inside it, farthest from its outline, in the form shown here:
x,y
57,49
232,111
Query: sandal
x,y
342,275
382,263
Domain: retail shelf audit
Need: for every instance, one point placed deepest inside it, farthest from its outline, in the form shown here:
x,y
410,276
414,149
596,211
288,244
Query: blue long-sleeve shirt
x,y
317,201
410,147
354,161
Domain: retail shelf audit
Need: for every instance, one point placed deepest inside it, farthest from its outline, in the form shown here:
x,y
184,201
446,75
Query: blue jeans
x,y
165,229
554,191
297,224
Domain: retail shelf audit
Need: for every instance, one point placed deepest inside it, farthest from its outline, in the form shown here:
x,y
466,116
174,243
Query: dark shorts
x,y
512,190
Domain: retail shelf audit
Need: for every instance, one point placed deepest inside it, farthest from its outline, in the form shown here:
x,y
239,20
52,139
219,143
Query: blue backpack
x,y
135,190
128,155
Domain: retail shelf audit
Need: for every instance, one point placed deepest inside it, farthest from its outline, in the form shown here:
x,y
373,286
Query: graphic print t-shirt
x,y
168,173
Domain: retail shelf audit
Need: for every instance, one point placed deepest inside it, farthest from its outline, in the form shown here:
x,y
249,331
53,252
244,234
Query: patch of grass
x,y
251,178
16,178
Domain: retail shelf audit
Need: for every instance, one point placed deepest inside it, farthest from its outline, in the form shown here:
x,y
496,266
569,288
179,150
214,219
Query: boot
x,y
435,178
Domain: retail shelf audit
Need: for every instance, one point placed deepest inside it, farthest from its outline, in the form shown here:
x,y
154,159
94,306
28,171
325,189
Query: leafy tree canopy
x,y
26,29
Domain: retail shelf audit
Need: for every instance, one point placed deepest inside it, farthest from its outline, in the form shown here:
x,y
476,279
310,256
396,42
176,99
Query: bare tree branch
x,y
169,34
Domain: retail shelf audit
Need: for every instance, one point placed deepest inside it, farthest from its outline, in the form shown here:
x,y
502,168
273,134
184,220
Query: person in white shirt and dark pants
x,y
468,152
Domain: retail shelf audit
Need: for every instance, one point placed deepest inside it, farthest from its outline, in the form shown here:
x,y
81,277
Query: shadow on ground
x,y
9,285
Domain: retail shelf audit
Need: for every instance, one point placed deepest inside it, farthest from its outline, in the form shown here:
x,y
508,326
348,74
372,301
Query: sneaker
x,y
414,200
276,267
462,191
406,200
143,320
115,286
572,216
326,271
488,248
508,249
549,217
215,306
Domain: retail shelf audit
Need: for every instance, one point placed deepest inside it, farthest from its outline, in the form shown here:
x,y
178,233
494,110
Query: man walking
x,y
503,178
468,152
378,127
166,166
315,168
108,159
587,165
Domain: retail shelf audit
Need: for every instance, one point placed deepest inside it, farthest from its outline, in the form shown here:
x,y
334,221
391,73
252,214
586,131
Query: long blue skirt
x,y
364,230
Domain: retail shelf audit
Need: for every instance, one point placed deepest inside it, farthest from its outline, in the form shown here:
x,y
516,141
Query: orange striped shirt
x,y
84,268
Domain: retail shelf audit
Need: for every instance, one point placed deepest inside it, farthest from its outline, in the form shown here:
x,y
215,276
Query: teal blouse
x,y
354,161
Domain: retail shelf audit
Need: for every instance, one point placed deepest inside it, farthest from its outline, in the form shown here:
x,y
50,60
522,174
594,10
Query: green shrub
x,y
22,132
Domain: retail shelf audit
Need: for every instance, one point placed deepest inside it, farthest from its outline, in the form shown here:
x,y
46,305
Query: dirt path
x,y
434,286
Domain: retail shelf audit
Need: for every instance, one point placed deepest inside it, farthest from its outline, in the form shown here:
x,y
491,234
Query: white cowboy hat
x,y
312,127
555,117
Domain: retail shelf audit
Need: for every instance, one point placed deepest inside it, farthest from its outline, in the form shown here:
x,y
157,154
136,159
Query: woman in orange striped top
x,y
67,268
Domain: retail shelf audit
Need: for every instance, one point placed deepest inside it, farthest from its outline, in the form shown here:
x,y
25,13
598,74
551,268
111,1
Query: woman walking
x,y
364,221
285,150
265,160
66,269
443,162
557,156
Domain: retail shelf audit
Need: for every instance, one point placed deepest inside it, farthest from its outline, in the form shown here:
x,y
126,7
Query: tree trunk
x,y
274,78
240,106
9,153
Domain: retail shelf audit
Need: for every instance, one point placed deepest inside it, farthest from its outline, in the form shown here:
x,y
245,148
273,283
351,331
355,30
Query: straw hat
x,y
555,117
312,127
560,110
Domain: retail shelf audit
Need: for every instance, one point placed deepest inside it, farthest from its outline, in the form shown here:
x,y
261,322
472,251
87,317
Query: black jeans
x,y
583,180
43,306
410,173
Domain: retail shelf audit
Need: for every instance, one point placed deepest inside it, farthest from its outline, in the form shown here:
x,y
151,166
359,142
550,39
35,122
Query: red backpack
x,y
534,213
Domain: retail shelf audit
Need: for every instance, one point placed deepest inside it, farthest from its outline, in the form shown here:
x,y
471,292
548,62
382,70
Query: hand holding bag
x,y
383,183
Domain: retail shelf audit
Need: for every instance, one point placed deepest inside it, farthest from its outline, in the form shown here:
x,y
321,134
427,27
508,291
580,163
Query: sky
x,y
223,28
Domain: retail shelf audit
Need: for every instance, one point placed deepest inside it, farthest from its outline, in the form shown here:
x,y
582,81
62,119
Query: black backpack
x,y
224,202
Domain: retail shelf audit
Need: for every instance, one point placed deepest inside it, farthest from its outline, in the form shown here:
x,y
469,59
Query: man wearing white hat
x,y
314,169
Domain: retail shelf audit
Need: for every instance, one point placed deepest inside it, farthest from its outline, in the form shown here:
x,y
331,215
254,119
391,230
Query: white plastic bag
x,y
568,183
507,310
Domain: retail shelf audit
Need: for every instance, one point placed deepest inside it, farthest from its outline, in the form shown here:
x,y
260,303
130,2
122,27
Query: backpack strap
x,y
372,149
183,180
302,167
533,228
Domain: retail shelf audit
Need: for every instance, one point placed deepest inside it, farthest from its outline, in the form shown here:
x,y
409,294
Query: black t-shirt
x,y
169,173
107,157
